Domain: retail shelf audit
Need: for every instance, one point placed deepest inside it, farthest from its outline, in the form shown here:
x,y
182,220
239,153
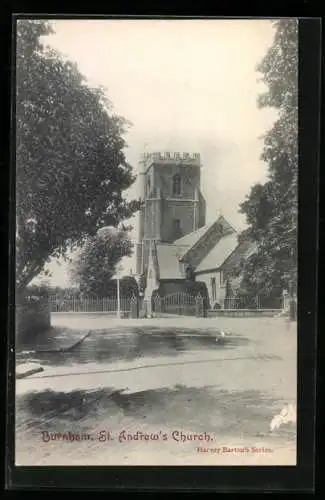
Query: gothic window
x,y
177,184
213,289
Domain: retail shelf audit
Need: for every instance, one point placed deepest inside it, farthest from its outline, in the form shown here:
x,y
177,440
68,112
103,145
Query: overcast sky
x,y
186,85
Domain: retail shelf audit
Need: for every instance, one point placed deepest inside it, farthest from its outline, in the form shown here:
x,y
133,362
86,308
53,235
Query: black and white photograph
x,y
156,242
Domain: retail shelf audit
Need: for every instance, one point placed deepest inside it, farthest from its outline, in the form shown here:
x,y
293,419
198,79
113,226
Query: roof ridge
x,y
209,227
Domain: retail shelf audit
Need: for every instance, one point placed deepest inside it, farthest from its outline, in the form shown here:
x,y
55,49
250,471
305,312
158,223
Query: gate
x,y
178,304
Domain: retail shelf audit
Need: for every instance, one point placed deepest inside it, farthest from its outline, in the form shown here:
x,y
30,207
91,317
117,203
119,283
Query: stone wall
x,y
32,316
183,210
243,313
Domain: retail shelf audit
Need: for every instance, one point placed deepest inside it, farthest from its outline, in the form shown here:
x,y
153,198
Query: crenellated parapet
x,y
171,158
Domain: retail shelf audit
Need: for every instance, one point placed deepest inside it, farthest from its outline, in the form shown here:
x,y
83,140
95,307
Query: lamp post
x,y
119,271
104,234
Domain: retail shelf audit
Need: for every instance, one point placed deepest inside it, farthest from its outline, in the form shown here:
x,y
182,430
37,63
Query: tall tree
x,y
71,168
271,209
95,265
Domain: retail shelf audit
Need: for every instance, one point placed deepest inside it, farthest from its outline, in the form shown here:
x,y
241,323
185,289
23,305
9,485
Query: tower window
x,y
176,228
177,184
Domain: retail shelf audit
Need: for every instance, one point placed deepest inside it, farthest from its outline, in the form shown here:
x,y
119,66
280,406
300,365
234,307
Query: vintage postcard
x,y
156,236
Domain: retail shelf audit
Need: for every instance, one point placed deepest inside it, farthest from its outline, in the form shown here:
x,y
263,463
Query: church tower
x,y
173,205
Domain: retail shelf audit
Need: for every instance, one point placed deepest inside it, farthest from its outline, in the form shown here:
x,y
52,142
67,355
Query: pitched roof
x,y
168,255
219,253
191,238
168,261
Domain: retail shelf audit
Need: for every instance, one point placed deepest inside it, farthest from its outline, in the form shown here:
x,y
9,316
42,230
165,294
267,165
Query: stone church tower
x,y
173,205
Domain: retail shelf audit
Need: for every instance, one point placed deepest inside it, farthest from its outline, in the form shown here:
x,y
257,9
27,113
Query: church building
x,y
175,245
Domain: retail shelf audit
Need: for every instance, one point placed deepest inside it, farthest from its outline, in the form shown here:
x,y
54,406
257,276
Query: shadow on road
x,y
240,414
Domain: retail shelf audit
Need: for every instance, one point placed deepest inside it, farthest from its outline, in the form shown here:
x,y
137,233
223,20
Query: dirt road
x,y
230,393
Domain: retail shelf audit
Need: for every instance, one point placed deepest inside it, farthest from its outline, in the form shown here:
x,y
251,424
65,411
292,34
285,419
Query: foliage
x,y
128,288
71,168
271,209
41,290
96,263
196,288
64,291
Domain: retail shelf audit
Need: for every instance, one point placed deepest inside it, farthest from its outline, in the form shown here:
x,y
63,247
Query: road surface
x,y
169,382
